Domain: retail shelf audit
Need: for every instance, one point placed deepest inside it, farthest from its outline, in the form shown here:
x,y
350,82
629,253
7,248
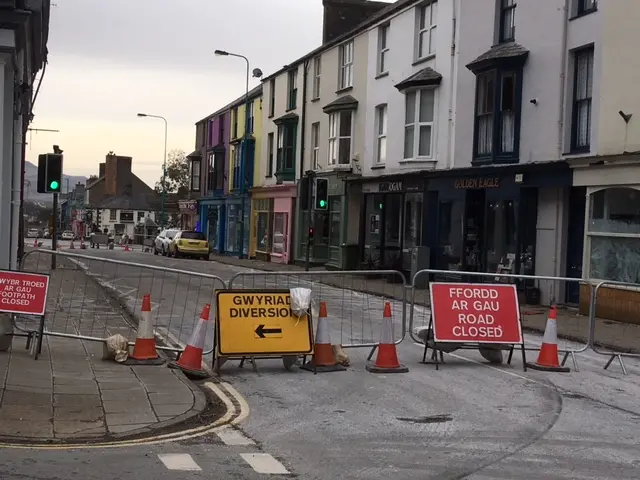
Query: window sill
x,y
583,14
290,109
271,115
411,161
382,75
480,161
269,176
419,61
344,90
316,99
578,152
378,166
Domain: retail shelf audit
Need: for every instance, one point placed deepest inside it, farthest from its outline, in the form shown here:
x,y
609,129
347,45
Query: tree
x,y
177,181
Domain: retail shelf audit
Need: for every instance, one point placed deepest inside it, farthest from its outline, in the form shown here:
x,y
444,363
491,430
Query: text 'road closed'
x,y
260,322
475,313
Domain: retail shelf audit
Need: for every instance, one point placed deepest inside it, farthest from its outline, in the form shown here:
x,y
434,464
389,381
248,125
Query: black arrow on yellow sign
x,y
261,331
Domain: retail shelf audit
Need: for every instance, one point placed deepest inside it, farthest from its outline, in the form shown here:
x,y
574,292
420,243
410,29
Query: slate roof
x,y
286,116
128,202
497,53
346,102
425,77
194,154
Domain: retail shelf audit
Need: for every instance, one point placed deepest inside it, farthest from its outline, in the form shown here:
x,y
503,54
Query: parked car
x,y
162,241
189,244
68,235
33,233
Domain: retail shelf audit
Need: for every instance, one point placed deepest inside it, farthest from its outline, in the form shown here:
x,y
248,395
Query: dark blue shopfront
x,y
484,219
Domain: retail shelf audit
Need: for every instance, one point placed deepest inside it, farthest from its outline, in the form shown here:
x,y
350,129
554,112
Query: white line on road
x,y
179,461
264,463
232,437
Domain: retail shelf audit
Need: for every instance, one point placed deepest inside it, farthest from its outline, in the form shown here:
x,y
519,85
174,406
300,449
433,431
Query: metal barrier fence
x,y
534,289
356,314
91,298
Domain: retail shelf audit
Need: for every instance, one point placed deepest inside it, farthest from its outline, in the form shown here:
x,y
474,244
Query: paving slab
x,y
71,392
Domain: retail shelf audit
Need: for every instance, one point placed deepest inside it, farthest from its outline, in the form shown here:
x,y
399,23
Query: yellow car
x,y
189,244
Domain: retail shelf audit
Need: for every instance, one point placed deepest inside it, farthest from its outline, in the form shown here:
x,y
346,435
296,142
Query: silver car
x,y
162,241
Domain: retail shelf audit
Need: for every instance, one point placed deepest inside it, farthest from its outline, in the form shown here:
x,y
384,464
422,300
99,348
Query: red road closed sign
x,y
475,313
22,292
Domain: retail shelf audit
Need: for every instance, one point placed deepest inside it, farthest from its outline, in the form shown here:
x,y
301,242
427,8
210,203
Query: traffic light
x,y
310,239
50,173
322,194
304,193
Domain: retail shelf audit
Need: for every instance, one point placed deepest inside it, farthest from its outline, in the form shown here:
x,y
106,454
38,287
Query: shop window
x,y
262,228
233,227
372,234
413,220
321,229
335,215
280,233
501,231
213,227
614,235
393,231
450,233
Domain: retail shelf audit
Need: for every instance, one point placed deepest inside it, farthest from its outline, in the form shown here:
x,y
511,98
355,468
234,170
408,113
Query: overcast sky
x,y
109,59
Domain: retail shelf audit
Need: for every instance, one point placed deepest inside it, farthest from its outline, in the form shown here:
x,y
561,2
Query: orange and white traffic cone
x,y
387,359
190,361
324,359
144,350
549,358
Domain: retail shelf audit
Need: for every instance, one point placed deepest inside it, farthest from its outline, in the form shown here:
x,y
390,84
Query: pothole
x,y
442,418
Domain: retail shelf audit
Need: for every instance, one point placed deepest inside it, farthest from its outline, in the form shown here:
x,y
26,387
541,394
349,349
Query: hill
x,y
31,184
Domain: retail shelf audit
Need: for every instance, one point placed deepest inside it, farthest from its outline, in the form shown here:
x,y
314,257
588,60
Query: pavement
x,y
70,394
469,419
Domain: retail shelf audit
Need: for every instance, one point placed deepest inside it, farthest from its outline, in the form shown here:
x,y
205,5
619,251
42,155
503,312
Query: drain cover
x,y
427,419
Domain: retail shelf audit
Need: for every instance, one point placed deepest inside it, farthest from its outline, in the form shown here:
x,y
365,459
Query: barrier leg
x,y
620,361
373,350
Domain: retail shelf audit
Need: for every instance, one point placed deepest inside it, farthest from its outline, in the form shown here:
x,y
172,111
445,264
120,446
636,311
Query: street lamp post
x,y
164,166
243,161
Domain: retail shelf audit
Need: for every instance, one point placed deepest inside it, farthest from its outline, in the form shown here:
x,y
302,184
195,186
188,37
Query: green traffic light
x,y
54,185
380,206
323,203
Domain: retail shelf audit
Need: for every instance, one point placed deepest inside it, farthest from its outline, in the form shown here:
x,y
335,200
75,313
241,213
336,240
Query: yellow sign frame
x,y
277,336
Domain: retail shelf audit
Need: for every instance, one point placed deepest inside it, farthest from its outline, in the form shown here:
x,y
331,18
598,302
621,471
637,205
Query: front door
x,y
575,241
473,245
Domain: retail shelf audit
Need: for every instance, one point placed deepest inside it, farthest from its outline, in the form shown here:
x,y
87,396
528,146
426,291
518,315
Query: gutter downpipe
x,y
563,75
452,91
303,126
16,190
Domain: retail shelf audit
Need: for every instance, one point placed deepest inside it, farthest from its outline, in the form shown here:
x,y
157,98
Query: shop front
x,y
500,220
188,214
272,222
392,224
237,217
330,245
611,234
213,223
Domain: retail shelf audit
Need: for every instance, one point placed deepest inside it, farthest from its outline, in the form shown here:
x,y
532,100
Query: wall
x,y
280,109
619,87
539,28
401,39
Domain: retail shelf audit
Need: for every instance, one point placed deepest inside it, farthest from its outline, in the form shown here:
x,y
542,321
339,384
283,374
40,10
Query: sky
x,y
110,59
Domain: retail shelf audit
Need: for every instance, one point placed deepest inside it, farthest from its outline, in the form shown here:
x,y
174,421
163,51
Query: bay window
x,y
613,234
340,137
418,125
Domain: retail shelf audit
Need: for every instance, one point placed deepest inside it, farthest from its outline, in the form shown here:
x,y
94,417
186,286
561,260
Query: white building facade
x,y
121,221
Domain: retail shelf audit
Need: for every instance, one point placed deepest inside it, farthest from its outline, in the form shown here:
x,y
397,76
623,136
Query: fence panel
x,y
355,316
94,297
536,293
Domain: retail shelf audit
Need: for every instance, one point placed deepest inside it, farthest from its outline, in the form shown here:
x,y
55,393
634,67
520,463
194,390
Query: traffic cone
x,y
72,246
387,359
190,361
144,350
35,243
323,360
548,358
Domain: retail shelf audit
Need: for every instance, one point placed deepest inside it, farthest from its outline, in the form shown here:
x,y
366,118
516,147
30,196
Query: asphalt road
x,y
466,420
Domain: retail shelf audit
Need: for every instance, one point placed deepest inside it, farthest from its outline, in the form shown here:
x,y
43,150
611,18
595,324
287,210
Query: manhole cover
x,y
427,419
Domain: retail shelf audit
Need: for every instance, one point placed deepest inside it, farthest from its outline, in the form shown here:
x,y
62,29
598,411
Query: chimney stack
x,y
101,170
118,180
342,16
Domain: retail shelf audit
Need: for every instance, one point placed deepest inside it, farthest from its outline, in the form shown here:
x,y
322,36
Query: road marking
x,y
244,406
232,437
264,463
179,461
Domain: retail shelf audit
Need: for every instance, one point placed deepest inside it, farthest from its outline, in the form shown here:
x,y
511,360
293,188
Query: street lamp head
x,y
257,73
142,114
222,53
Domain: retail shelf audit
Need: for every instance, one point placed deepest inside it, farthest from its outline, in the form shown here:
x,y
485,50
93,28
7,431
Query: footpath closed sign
x,y
260,322
475,313
22,292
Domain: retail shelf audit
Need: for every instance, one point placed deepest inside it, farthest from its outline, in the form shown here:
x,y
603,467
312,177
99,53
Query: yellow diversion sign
x,y
260,322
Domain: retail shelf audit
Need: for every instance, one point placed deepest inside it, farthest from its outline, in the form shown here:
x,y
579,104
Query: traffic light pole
x,y
311,175
54,235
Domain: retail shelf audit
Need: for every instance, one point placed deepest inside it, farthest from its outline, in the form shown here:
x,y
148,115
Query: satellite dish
x,y
257,73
